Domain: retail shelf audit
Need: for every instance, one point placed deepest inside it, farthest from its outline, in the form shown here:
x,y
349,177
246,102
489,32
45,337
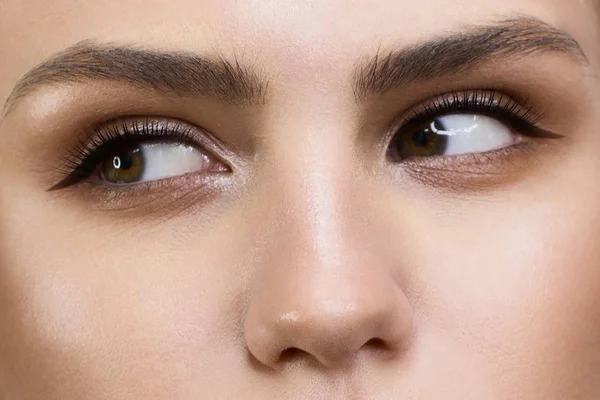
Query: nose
x,y
332,317
334,307
325,288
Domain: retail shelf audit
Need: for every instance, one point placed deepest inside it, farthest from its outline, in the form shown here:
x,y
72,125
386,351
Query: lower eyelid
x,y
474,171
159,198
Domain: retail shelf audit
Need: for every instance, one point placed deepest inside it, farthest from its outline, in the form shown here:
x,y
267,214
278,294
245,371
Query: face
x,y
299,200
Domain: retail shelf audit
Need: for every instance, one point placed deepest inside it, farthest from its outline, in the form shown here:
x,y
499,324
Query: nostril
x,y
292,353
377,344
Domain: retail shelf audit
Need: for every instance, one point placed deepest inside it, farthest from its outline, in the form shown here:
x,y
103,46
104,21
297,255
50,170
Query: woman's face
x,y
299,200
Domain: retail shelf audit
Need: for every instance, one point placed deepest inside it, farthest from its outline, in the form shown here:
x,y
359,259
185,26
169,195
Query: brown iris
x,y
420,140
124,166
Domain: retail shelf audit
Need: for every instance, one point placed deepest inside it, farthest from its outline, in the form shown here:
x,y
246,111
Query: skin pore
x,y
249,200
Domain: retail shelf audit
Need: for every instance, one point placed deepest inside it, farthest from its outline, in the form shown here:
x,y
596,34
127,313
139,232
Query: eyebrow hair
x,y
179,72
454,53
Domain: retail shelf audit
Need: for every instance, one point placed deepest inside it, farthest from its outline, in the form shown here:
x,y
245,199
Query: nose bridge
x,y
318,291
313,179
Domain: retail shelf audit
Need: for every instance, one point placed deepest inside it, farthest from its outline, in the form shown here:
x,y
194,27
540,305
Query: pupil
x,y
421,138
123,161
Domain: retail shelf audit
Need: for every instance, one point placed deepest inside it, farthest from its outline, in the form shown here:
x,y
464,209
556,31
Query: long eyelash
x,y
522,118
100,142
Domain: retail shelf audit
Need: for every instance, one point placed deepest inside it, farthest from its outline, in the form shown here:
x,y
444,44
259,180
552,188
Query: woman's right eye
x,y
153,161
135,151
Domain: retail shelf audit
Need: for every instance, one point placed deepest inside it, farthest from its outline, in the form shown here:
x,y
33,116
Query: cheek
x,y
517,290
85,306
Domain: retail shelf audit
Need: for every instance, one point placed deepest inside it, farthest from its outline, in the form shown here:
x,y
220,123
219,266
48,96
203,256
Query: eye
x,y
451,134
152,161
135,151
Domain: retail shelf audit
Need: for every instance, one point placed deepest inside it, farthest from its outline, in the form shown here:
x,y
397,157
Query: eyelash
x,y
523,119
84,158
88,153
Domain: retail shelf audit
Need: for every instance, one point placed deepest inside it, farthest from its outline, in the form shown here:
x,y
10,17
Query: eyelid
x,y
483,101
87,153
153,128
519,113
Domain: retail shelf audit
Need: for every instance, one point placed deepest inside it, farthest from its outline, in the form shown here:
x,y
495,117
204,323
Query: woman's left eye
x,y
152,161
452,134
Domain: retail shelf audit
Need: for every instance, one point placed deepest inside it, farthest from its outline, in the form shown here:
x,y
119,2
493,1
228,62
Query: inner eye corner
x,y
223,167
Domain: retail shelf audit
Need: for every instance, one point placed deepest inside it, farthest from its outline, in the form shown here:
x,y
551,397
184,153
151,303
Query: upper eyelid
x,y
478,98
147,127
421,110
101,134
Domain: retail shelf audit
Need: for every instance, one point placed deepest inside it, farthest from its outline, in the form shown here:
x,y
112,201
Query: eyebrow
x,y
459,52
178,72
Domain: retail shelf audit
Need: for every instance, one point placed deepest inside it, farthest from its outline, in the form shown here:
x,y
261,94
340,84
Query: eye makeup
x,y
521,117
114,139
420,141
86,161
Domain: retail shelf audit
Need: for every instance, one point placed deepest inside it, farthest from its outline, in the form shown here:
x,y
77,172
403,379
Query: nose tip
x,y
331,332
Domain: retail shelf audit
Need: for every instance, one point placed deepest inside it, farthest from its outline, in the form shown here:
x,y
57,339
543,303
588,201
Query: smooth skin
x,y
317,268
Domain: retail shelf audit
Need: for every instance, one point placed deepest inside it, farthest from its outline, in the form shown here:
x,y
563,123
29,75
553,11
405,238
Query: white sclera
x,y
473,133
164,160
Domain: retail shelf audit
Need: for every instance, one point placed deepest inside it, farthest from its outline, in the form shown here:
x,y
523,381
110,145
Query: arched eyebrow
x,y
180,73
460,52
215,77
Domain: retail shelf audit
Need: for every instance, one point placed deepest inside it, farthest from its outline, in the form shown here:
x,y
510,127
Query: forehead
x,y
297,39
293,20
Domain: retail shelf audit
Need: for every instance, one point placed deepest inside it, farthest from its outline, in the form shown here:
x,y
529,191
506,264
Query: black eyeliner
x,y
523,119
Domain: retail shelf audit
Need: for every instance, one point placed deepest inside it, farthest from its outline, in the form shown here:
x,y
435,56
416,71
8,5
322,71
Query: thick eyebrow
x,y
459,52
180,73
